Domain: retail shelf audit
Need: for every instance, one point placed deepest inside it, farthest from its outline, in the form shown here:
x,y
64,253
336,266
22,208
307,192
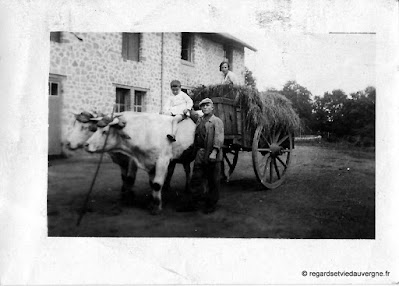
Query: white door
x,y
54,117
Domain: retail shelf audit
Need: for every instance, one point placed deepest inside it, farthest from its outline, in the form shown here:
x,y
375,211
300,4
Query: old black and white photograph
x,y
249,134
288,162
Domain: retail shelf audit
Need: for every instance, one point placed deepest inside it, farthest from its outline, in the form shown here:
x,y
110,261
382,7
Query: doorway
x,y
54,116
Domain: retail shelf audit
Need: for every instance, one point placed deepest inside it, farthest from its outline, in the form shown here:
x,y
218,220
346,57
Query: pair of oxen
x,y
137,140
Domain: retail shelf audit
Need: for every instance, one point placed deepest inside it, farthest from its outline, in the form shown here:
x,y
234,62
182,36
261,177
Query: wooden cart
x,y
271,149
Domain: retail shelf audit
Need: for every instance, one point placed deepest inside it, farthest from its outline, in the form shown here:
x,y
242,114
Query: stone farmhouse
x,y
95,71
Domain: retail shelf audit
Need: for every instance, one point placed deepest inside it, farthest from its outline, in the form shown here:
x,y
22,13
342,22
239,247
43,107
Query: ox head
x,y
109,131
84,126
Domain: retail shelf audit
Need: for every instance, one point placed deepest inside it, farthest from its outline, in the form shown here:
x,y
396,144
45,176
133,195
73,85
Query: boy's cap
x,y
175,83
205,100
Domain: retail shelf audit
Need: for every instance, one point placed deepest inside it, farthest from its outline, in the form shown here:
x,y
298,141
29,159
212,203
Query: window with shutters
x,y
53,88
55,37
122,99
130,98
131,46
138,101
187,47
54,85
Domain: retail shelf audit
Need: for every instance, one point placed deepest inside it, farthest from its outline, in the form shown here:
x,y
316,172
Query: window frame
x,y
126,103
50,87
228,55
190,55
55,79
141,106
128,49
132,93
56,37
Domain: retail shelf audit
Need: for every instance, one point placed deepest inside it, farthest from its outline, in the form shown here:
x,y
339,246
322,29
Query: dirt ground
x,y
329,193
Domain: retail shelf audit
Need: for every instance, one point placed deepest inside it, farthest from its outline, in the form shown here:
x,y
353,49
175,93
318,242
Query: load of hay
x,y
270,109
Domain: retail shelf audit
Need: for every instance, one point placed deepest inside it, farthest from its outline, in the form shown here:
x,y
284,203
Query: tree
x,y
329,112
351,117
360,115
301,102
320,118
249,78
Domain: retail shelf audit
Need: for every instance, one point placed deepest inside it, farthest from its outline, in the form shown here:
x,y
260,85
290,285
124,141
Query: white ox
x,y
142,136
83,128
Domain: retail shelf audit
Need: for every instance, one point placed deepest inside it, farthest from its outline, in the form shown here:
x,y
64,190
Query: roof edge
x,y
232,38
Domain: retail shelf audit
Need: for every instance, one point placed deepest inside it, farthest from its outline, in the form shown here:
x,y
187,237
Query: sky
x,y
319,62
309,42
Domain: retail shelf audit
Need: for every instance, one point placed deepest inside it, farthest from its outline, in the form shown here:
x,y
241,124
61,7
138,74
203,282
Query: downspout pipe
x,y
162,72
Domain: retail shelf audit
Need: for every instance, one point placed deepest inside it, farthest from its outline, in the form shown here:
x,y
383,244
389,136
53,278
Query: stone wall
x,y
207,57
94,67
239,64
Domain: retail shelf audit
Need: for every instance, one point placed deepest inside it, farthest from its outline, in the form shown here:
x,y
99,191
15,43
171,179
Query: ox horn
x,y
114,122
83,117
96,118
104,121
119,123
87,114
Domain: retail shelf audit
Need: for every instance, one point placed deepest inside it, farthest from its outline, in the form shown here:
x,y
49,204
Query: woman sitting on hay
x,y
228,76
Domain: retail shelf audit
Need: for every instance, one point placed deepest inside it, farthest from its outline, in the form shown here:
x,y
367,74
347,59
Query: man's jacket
x,y
214,137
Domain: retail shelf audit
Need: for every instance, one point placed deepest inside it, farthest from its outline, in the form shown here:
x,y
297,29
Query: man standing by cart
x,y
208,142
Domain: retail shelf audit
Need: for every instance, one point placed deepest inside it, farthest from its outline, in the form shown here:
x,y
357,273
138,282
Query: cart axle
x,y
275,150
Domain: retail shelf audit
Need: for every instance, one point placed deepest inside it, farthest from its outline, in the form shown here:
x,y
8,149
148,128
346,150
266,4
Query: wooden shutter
x,y
185,46
124,45
131,46
55,37
134,46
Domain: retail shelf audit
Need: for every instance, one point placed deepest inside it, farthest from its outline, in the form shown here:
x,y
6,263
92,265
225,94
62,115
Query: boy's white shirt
x,y
177,103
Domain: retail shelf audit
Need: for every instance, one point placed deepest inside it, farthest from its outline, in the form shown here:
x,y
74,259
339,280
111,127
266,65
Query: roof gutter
x,y
236,40
162,70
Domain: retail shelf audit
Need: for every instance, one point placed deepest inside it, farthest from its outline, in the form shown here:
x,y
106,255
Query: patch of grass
x,y
341,145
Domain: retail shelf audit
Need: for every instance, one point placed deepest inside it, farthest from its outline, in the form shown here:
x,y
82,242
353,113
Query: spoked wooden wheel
x,y
271,151
230,158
